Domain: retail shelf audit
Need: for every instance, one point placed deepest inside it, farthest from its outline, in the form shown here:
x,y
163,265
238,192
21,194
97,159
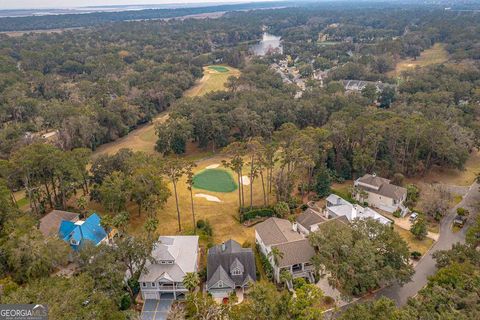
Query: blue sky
x,y
28,4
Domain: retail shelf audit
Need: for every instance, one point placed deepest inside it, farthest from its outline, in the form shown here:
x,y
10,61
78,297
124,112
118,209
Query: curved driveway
x,y
426,266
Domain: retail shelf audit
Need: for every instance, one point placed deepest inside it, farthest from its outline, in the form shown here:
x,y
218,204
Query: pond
x,y
268,44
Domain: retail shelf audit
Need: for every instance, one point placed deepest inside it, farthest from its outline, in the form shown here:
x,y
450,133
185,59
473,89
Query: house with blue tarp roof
x,y
76,233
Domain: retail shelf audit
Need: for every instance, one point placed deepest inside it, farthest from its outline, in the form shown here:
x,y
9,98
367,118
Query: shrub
x,y
281,209
200,224
252,214
125,302
462,212
397,214
304,207
415,255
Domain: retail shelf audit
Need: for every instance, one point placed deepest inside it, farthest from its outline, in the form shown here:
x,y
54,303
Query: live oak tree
x,y
374,253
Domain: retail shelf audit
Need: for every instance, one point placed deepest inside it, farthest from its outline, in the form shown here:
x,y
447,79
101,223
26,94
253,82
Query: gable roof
x,y
309,218
184,250
275,231
228,256
300,251
381,186
50,223
220,275
81,231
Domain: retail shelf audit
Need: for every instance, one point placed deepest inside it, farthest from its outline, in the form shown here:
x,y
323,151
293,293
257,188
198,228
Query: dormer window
x,y
236,272
166,262
73,242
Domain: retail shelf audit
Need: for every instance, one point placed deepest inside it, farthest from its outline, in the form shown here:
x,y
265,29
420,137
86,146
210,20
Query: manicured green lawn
x,y
219,68
215,180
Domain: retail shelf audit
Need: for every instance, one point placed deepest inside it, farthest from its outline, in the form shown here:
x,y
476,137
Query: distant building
x,y
79,232
50,223
295,249
175,257
359,85
380,193
339,207
229,266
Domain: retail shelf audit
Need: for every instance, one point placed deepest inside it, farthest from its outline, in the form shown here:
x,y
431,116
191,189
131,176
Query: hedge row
x,y
263,212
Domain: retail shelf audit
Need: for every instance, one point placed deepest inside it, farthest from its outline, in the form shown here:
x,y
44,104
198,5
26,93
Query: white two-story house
x,y
380,193
175,257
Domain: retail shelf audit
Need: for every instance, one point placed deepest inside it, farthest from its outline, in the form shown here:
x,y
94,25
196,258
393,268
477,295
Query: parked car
x,y
459,221
413,217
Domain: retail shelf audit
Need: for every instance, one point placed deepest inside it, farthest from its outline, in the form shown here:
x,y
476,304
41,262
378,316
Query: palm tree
x,y
285,277
191,281
174,169
150,226
189,172
276,255
236,151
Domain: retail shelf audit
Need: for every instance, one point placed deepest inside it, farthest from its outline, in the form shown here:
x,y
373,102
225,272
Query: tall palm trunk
x,y
176,203
263,188
193,211
251,183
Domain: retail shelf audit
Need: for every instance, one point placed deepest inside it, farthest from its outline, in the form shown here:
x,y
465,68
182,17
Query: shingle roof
x,y
183,248
220,275
309,218
50,223
275,231
385,188
300,251
228,256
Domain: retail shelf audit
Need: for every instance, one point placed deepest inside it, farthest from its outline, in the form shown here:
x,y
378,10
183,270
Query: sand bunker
x,y
207,197
213,166
245,180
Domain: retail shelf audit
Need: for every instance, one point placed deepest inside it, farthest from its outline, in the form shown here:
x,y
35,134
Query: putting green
x,y
219,68
216,180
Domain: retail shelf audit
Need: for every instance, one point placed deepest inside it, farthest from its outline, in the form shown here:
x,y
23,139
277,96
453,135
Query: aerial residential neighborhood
x,y
238,160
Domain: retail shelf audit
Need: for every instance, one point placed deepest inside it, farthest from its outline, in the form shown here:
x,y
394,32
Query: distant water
x,y
268,44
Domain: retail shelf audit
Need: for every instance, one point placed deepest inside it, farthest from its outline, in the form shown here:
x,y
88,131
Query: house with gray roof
x,y
229,266
309,221
175,256
296,251
380,193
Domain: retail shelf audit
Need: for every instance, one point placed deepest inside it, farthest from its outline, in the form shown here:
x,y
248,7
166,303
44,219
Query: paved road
x,y
426,266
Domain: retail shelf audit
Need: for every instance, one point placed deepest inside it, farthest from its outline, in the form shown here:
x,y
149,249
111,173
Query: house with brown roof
x,y
295,250
380,193
50,223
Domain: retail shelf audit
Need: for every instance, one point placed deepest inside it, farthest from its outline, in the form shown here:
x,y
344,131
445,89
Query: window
x,y
220,284
236,272
144,284
153,284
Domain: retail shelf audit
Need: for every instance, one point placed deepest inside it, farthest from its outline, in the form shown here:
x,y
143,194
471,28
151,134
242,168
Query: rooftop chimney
x,y
223,246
